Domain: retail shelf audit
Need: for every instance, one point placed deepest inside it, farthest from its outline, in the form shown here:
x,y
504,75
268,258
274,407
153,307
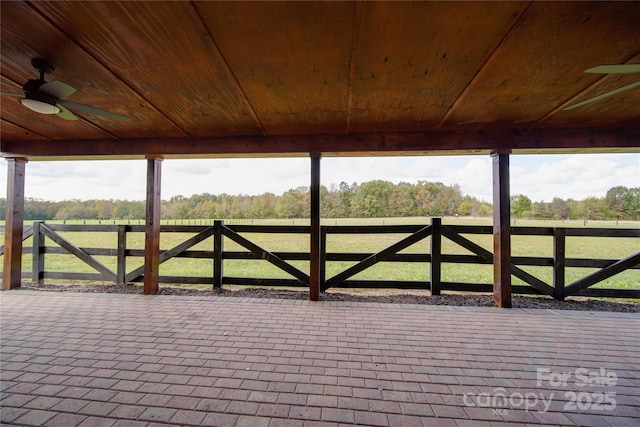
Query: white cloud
x,y
233,176
576,176
539,177
475,178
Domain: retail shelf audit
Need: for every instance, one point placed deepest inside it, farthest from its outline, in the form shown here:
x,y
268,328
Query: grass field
x,y
542,246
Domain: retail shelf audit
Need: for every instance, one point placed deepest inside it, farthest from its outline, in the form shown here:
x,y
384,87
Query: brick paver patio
x,y
133,360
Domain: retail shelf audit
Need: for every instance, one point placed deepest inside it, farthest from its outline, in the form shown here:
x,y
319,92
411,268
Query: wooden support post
x,y
218,250
559,262
152,227
37,255
121,268
315,252
436,255
12,272
501,231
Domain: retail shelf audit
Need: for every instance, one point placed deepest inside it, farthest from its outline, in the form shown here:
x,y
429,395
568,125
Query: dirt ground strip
x,y
359,295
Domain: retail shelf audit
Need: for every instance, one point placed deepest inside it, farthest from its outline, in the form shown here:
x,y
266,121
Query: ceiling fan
x,y
609,69
47,97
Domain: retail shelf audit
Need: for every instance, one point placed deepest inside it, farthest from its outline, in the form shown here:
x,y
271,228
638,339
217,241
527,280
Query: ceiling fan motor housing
x,y
40,103
32,86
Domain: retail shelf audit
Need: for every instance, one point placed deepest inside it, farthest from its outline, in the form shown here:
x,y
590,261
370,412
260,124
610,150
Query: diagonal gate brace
x,y
72,249
266,255
605,273
26,233
488,257
177,250
377,257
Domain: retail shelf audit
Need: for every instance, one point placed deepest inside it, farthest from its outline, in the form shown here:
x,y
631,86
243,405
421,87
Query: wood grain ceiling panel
x,y
291,59
198,78
619,110
26,34
179,71
10,131
415,58
540,66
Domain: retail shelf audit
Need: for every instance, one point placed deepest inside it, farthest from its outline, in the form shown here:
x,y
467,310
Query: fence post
x,y
37,271
121,269
218,250
323,256
559,263
436,255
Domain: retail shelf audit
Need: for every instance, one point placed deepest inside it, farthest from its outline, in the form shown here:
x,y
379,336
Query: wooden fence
x,y
43,233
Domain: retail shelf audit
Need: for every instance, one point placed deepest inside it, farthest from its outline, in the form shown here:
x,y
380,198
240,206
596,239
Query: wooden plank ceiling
x,y
242,78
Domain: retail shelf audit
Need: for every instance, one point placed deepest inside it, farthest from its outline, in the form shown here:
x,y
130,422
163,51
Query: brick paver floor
x,y
134,360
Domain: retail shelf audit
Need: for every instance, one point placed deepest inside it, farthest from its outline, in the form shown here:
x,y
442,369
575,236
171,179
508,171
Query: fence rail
x,y
44,234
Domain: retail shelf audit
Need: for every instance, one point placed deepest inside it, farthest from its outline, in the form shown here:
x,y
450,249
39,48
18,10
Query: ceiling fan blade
x,y
65,113
56,89
8,82
603,95
12,94
614,69
92,110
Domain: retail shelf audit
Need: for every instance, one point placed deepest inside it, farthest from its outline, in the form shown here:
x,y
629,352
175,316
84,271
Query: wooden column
x,y
152,229
436,256
12,270
501,231
218,251
315,252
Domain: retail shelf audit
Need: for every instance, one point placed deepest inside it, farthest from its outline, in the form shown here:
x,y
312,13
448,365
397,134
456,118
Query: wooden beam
x,y
315,252
12,272
445,142
152,226
501,231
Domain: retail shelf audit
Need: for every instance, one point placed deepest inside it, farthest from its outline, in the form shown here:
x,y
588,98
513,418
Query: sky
x,y
539,177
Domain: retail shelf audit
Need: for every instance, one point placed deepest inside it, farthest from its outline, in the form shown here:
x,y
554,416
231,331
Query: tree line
x,y
619,203
371,199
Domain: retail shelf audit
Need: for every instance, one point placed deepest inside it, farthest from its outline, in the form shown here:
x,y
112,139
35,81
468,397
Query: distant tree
x,y
629,200
346,193
402,200
125,209
450,199
104,209
35,209
289,204
371,199
262,206
429,198
558,209
520,206
594,208
485,209
541,210
204,209
469,206
76,209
